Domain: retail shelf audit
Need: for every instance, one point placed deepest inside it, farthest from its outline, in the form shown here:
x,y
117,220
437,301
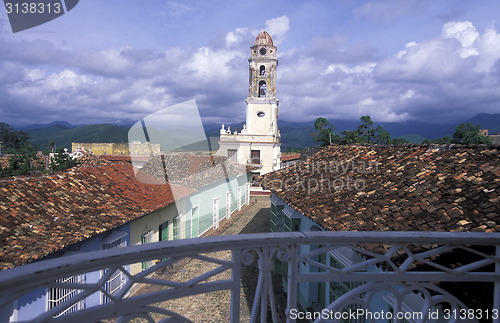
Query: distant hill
x,y
293,134
46,125
299,134
413,138
487,121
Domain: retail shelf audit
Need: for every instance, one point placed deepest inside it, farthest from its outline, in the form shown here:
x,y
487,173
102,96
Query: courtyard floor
x,y
214,306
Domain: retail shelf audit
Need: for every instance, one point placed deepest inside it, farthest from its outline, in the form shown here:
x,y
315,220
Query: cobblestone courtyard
x,y
214,306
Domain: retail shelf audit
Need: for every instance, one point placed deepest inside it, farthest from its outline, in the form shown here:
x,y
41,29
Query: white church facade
x,y
258,143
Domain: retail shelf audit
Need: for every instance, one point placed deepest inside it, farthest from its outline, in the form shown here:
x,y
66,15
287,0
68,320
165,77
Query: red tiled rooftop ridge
x,y
42,214
195,171
92,160
287,157
410,188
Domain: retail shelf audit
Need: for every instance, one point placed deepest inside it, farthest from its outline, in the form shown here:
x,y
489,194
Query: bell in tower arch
x,y
262,89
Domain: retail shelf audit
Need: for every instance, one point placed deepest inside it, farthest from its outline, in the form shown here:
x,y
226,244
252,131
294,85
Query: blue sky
x,y
117,61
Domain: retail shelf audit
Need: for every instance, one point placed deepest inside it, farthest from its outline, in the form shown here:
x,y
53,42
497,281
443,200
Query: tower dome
x,y
263,39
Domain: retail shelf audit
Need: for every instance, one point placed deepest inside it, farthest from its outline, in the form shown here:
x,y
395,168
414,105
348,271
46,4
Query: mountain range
x,y
293,134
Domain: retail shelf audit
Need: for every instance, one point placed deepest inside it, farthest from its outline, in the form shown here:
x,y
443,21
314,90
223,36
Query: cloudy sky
x,y
117,61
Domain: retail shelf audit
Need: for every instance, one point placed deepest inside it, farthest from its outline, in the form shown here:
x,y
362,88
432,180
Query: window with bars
x,y
56,296
276,225
291,224
215,213
176,228
113,285
247,194
277,218
115,282
228,204
232,154
118,243
147,237
239,198
337,289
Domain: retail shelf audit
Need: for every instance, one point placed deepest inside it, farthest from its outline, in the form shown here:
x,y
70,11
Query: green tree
x,y
61,161
350,137
366,132
12,141
384,138
324,134
25,162
398,141
446,140
51,146
468,133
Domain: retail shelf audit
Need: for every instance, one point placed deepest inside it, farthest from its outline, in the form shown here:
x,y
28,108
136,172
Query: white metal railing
x,y
405,269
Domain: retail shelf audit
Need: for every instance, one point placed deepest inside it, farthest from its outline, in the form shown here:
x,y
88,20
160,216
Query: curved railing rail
x,y
396,271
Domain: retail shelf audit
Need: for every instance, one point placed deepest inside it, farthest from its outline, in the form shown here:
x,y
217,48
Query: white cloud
x,y
407,95
442,60
211,64
347,69
401,53
55,83
35,74
455,74
488,45
236,36
465,33
427,79
331,78
277,28
431,60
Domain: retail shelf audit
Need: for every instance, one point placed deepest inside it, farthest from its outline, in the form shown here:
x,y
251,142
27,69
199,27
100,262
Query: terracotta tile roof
x,y
289,157
4,161
194,171
92,160
126,158
42,214
384,188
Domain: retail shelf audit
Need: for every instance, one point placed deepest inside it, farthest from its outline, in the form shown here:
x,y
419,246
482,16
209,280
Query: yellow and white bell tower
x,y
258,143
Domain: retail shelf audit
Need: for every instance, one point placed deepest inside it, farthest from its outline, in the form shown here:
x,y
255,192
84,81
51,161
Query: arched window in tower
x,y
262,70
262,89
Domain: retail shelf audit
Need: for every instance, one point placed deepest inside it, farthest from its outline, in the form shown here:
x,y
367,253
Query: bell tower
x,y
258,143
262,105
263,63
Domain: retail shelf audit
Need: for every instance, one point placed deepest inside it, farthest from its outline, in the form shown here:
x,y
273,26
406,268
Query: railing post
x,y
235,291
291,302
496,288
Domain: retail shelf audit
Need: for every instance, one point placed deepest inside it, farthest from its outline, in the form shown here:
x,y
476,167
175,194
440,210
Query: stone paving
x,y
214,306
